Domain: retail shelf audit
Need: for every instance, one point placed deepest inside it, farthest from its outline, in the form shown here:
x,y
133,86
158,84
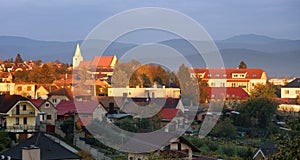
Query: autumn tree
x,y
18,59
242,65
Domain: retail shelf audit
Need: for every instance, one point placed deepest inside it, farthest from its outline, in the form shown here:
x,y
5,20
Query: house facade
x,y
25,89
145,92
231,77
291,90
19,115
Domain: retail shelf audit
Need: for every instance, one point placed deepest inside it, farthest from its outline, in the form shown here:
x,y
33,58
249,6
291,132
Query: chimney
x,y
32,153
111,109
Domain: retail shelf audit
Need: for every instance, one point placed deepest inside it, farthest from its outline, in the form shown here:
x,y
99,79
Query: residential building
x,y
7,88
59,95
145,92
43,90
25,89
48,108
280,81
291,90
265,151
178,148
231,77
19,115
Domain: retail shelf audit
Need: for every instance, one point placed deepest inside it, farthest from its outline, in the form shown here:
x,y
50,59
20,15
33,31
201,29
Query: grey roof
x,y
50,150
294,84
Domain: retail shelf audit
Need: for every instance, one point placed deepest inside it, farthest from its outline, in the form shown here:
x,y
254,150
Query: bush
x,y
212,146
228,150
197,142
242,152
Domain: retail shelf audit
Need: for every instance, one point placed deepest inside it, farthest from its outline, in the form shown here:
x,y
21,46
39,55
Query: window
x,y
24,107
49,117
17,109
130,158
28,88
224,75
286,92
54,100
297,91
47,105
19,89
217,75
209,75
25,120
254,75
17,121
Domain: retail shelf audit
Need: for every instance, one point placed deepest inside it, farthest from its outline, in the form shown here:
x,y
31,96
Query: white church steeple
x,y
77,58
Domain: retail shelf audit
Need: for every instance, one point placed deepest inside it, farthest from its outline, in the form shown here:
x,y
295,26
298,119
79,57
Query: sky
x,y
69,20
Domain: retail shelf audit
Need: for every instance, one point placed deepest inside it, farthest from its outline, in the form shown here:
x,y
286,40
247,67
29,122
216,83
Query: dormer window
x,y
224,75
217,75
209,75
254,75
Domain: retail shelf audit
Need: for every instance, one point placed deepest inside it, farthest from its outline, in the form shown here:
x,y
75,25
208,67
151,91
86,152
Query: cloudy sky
x,y
70,20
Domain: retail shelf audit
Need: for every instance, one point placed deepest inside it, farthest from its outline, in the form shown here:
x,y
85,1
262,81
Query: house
x,y
46,107
179,148
145,92
84,111
43,90
228,93
291,90
231,77
265,151
6,77
39,147
7,88
25,89
19,115
59,95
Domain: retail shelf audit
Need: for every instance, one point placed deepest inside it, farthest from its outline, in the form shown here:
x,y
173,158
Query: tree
x,y
5,141
119,79
18,59
225,129
261,105
189,87
288,142
242,65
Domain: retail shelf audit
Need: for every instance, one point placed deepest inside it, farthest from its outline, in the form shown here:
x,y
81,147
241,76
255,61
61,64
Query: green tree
x,y
5,141
225,129
127,124
242,65
260,106
68,127
288,142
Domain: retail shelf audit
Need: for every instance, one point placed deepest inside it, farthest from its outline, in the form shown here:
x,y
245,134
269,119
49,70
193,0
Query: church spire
x,y
77,58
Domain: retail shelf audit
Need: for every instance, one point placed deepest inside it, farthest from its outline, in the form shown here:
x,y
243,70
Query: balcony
x,y
24,114
21,128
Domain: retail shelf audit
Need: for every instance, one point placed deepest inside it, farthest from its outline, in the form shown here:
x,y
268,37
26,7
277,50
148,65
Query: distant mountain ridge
x,y
279,57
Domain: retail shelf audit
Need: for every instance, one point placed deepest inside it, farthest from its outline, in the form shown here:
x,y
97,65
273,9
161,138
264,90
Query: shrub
x,y
228,150
212,146
242,152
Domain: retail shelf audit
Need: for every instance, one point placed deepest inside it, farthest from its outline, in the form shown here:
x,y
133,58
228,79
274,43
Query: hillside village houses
x,y
26,107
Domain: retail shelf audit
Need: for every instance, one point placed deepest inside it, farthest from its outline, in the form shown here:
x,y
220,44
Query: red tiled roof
x,y
37,102
168,113
252,73
84,64
238,80
102,61
231,92
81,107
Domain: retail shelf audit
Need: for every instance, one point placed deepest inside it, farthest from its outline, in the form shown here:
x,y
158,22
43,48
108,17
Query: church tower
x,y
77,58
